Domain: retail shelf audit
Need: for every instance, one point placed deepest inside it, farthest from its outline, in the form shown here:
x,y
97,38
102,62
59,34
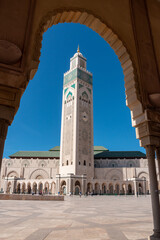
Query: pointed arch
x,y
133,98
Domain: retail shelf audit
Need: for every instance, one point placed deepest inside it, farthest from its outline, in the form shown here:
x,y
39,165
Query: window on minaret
x,y
82,64
84,162
73,63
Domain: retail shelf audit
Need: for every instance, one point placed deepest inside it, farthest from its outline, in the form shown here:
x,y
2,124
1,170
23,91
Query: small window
x,y
67,162
79,163
130,165
84,162
71,163
113,165
42,165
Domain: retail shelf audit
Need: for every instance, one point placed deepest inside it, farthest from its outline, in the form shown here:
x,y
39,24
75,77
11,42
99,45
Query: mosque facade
x,y
76,166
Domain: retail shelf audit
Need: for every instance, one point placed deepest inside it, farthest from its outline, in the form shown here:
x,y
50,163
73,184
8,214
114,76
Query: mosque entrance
x,y
77,190
63,188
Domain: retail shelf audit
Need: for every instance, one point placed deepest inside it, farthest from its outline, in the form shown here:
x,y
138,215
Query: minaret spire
x,y
78,49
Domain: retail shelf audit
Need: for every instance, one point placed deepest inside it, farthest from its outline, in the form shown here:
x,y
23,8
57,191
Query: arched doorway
x,y
97,188
104,188
29,188
140,189
77,188
40,188
129,189
23,188
63,187
117,191
110,188
34,187
18,188
89,188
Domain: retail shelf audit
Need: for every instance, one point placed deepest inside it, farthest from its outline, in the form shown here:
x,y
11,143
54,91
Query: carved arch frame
x,y
133,99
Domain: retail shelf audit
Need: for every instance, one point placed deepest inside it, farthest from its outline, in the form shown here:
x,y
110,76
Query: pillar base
x,y
155,236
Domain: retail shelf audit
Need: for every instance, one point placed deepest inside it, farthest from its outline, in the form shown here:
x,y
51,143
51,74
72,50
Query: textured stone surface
x,y
87,218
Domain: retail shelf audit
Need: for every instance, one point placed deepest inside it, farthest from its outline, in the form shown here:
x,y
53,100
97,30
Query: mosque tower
x,y
76,150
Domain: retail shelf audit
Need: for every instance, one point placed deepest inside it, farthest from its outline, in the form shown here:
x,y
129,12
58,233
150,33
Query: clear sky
x,y
37,123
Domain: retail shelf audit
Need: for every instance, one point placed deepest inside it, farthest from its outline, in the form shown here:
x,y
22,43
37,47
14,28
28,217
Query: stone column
x,y
135,187
58,183
3,133
158,160
150,152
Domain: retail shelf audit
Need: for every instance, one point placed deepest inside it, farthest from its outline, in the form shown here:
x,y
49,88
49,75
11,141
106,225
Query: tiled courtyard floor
x,y
86,218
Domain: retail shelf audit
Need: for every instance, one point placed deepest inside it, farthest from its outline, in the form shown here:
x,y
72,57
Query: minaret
x,y
76,151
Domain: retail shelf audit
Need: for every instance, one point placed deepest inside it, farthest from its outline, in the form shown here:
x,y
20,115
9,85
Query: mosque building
x,y
76,166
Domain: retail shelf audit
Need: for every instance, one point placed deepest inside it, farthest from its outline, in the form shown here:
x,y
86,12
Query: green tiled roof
x,y
99,152
99,149
36,154
120,154
57,148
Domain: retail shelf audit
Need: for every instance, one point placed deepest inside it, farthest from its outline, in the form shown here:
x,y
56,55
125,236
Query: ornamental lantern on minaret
x,y
76,150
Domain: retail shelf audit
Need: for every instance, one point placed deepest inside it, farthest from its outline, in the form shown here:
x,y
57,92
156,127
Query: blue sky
x,y
37,123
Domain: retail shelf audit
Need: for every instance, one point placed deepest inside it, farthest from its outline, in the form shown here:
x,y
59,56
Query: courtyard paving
x,y
87,218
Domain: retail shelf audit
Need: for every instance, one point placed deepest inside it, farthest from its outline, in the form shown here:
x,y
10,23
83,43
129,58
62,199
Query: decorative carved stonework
x,y
152,115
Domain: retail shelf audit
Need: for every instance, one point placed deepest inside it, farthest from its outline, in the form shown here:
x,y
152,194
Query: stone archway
x,y
111,190
29,188
133,99
46,188
89,188
23,187
104,188
40,188
117,189
97,188
12,174
34,188
39,174
18,189
77,188
63,188
130,189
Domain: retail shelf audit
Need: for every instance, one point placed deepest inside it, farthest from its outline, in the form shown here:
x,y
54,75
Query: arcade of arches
x,y
131,27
